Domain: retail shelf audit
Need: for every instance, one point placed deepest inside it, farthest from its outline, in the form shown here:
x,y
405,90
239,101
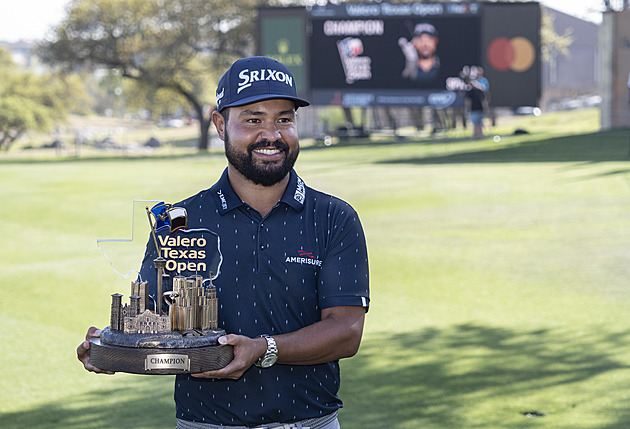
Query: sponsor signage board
x,y
371,54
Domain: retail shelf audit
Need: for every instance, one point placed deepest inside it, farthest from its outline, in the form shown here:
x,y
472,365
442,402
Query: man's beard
x,y
261,172
425,55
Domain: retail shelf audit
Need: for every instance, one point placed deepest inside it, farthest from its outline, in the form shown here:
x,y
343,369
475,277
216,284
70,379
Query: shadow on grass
x,y
596,147
467,376
136,403
482,377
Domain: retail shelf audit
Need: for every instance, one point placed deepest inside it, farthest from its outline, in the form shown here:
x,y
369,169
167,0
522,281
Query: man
x,y
475,103
421,60
301,313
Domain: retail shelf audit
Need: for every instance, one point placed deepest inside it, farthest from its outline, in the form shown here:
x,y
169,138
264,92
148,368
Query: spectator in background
x,y
483,81
475,104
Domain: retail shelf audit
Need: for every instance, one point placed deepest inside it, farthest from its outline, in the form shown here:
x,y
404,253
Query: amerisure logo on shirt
x,y
303,258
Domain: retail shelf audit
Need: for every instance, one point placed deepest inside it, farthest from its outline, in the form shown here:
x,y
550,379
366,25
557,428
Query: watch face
x,y
268,361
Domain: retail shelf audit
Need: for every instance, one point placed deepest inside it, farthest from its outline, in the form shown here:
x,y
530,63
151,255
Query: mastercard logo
x,y
516,54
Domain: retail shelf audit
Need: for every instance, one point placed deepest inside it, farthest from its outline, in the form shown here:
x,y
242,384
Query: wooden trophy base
x,y
159,358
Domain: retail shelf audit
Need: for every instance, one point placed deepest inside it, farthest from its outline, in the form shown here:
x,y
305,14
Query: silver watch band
x,y
271,355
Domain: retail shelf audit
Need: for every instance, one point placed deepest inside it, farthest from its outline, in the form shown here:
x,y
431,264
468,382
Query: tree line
x,y
162,51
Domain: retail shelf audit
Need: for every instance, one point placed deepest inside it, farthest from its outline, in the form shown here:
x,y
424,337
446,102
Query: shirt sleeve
x,y
344,277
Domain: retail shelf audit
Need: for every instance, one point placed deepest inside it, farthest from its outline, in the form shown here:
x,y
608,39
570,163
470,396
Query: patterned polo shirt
x,y
277,274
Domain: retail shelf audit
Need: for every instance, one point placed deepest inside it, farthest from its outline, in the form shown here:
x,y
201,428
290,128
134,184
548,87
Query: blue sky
x,y
29,19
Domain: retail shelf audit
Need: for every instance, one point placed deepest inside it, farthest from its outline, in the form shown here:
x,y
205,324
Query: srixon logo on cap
x,y
248,77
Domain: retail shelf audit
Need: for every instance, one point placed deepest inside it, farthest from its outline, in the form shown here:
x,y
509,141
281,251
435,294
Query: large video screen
x,y
391,54
407,54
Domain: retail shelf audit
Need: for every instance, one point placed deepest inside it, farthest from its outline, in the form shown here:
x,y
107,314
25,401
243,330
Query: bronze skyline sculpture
x,y
182,340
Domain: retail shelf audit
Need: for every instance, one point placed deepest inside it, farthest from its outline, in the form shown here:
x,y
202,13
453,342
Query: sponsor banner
x,y
399,98
511,53
282,36
415,9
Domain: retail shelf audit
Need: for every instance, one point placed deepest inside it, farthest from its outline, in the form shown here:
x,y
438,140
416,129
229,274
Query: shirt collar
x,y
295,194
226,198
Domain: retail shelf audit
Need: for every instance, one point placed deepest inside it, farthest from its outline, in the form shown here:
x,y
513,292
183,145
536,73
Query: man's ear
x,y
219,124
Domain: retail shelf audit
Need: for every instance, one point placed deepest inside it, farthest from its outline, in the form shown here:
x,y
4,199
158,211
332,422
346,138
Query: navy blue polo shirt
x,y
277,274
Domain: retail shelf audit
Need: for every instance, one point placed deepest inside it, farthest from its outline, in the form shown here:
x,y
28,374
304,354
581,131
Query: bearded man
x,y
293,289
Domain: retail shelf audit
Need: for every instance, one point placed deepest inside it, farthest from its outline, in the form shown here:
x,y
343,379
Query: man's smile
x,y
268,151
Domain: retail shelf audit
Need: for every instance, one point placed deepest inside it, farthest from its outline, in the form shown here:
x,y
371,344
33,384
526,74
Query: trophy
x,y
181,334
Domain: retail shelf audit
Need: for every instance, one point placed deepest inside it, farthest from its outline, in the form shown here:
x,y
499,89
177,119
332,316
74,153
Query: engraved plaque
x,y
167,361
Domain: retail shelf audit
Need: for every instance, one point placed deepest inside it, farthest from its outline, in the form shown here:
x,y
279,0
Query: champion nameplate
x,y
167,361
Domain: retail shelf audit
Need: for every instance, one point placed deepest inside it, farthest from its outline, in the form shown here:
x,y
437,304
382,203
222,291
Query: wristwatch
x,y
271,355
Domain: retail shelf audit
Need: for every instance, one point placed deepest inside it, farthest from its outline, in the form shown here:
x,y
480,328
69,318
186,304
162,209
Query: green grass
x,y
499,276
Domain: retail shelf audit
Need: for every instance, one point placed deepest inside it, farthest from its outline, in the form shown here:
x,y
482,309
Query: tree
x,y
32,103
552,43
175,45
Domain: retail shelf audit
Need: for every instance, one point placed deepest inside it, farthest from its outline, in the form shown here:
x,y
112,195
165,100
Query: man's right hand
x,y
83,351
